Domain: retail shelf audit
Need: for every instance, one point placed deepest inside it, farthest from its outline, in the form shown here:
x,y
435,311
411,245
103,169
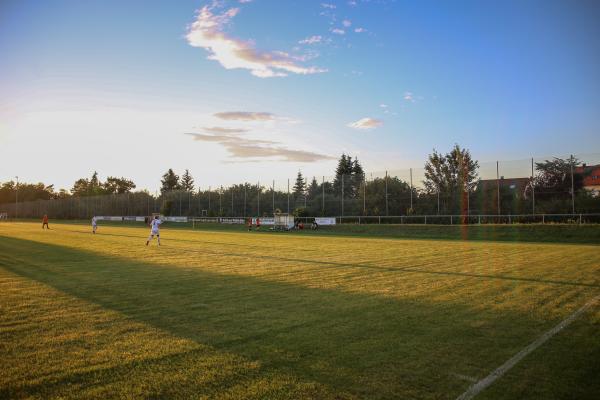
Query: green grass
x,y
232,315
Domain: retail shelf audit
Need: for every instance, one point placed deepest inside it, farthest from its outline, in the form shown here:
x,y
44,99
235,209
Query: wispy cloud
x,y
328,5
245,116
244,149
408,96
347,23
366,123
338,31
312,40
360,30
221,130
207,32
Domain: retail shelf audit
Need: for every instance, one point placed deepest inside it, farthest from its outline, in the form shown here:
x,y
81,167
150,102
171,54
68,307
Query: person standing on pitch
x,y
94,224
154,230
45,222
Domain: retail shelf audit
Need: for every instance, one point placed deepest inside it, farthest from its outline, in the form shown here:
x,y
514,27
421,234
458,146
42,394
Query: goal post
x,y
283,221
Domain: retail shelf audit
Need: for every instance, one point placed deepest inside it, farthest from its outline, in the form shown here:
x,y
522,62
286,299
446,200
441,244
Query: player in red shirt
x,y
45,222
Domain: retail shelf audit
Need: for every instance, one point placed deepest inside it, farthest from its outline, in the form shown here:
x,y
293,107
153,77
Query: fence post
x,y
323,186
380,220
451,223
572,188
342,195
498,185
579,219
479,219
426,220
364,195
543,219
532,189
411,191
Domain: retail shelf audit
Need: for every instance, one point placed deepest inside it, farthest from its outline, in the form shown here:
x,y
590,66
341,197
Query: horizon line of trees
x,y
451,186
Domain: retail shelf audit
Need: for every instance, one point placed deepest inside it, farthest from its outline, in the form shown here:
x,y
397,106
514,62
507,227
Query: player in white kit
x,y
154,230
94,224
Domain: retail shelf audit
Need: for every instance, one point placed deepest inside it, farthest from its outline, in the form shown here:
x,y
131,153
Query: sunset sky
x,y
258,89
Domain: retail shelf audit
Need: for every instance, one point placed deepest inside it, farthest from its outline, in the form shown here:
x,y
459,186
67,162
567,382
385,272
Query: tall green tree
x,y
169,182
299,186
187,181
343,176
358,177
313,188
114,185
555,175
454,171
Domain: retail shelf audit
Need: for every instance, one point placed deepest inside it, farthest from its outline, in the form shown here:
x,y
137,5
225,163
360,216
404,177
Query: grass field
x,y
237,315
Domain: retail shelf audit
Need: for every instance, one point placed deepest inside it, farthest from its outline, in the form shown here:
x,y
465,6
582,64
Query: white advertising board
x,y
176,219
325,221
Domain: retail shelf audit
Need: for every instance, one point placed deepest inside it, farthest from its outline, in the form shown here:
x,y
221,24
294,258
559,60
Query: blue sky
x,y
133,88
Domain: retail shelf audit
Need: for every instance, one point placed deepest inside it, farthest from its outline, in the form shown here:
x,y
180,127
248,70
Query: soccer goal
x,y
283,222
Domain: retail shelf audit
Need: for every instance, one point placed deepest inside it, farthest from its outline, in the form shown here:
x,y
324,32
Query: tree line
x,y
451,186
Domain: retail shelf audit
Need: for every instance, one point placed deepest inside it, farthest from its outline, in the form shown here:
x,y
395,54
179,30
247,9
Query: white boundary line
x,y
501,370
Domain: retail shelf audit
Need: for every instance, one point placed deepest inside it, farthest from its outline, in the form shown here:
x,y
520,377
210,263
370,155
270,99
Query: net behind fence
x,y
511,191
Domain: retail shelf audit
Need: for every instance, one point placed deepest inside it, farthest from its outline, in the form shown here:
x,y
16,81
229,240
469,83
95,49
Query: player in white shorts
x,y
94,224
154,230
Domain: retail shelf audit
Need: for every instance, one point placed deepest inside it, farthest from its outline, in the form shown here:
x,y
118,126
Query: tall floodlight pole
x,y
17,198
288,196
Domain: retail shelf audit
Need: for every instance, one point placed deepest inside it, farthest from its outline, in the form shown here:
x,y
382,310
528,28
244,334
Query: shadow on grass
x,y
357,344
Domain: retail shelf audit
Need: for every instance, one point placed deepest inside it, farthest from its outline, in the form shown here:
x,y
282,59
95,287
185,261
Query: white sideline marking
x,y
501,370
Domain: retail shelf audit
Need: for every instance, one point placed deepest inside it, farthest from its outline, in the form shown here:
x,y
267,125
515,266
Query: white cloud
x,y
338,31
408,96
220,130
383,105
311,40
366,123
347,23
245,116
243,149
327,5
207,33
360,30
244,1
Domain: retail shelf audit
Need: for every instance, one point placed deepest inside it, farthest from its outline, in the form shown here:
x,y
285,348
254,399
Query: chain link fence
x,y
504,191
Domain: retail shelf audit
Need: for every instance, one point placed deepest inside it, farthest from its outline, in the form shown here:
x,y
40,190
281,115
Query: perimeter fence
x,y
505,191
